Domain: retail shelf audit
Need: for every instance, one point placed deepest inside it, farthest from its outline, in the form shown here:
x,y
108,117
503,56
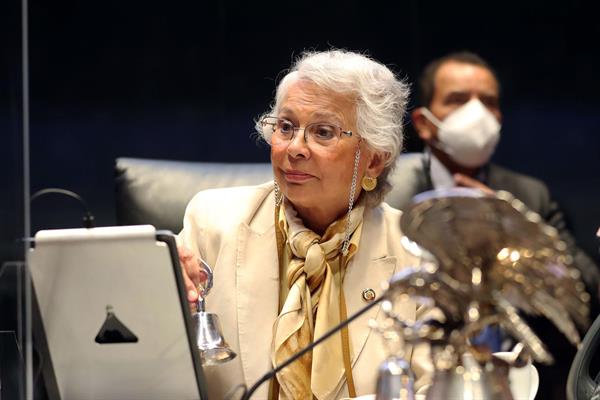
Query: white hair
x,y
381,100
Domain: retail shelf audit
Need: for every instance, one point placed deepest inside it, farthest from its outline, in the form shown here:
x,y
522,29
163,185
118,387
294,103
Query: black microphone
x,y
269,375
88,218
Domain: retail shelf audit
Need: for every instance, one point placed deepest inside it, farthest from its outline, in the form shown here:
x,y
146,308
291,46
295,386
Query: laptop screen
x,y
113,315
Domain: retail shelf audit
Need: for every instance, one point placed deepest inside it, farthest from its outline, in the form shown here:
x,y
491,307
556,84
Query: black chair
x,y
156,192
581,385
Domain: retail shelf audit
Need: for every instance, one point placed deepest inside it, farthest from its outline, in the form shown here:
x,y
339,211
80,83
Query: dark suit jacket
x,y
413,172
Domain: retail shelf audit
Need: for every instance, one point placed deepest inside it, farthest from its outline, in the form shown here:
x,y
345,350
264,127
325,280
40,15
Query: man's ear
x,y
422,125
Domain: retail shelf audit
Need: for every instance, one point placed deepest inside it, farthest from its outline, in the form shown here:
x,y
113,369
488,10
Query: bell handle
x,y
208,284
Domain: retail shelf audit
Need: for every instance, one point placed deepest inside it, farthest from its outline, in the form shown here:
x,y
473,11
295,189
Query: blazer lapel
x,y
257,287
361,280
371,266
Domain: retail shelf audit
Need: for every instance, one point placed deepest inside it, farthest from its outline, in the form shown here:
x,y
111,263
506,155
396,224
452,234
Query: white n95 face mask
x,y
468,135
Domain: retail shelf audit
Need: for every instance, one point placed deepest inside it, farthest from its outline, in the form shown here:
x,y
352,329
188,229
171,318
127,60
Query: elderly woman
x,y
295,256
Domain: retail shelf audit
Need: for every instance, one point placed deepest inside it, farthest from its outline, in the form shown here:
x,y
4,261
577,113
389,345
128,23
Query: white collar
x,y
441,178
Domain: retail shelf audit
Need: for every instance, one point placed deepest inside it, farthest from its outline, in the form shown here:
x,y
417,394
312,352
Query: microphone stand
x,y
271,374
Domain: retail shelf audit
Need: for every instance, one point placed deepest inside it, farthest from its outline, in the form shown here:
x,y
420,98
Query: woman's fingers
x,y
192,275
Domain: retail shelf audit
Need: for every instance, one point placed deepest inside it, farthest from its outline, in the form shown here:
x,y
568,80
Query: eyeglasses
x,y
280,132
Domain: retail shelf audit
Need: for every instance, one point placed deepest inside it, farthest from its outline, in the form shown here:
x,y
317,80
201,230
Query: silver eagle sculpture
x,y
487,258
484,261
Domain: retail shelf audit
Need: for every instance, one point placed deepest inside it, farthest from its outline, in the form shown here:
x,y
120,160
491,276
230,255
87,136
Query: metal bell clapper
x,y
213,348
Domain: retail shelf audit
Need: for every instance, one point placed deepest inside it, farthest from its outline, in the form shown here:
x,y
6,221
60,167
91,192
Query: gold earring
x,y
368,183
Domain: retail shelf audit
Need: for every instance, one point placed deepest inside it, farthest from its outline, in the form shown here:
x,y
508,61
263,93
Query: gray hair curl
x,y
381,100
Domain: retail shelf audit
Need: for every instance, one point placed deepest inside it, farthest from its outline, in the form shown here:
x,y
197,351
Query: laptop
x,y
113,321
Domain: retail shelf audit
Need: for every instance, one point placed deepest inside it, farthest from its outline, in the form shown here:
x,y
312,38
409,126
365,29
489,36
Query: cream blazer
x,y
233,230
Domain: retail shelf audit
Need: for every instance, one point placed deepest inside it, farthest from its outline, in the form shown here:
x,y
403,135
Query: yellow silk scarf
x,y
312,306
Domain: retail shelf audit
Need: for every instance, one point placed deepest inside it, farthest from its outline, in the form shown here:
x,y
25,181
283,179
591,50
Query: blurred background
x,y
184,81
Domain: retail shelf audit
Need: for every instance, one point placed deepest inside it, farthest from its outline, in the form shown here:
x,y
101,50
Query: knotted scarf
x,y
314,273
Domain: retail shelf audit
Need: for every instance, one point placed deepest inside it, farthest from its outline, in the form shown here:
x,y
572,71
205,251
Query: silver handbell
x,y
209,335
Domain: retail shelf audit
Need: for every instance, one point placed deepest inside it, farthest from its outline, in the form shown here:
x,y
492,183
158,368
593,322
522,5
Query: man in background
x,y
459,120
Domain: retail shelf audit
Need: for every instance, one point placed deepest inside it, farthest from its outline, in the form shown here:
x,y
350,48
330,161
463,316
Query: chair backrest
x,y
583,383
156,192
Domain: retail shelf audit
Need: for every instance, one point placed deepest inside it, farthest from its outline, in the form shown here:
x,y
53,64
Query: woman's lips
x,y
297,176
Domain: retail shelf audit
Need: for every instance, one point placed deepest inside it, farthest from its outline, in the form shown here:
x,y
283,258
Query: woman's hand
x,y
193,275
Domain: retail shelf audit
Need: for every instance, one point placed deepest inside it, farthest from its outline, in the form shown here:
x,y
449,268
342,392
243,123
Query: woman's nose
x,y
298,145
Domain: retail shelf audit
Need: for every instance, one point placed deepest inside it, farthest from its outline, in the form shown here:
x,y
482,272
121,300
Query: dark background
x,y
184,80
12,212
